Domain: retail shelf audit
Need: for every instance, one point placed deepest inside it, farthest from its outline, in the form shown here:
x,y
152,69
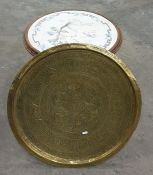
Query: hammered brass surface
x,y
74,104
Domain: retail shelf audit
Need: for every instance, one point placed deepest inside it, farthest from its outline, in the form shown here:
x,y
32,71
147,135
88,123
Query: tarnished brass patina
x,y
74,105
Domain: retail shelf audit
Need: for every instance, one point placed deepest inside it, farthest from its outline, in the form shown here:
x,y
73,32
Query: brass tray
x,y
74,105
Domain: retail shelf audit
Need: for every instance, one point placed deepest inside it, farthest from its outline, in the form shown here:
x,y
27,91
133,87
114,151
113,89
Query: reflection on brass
x,y
74,105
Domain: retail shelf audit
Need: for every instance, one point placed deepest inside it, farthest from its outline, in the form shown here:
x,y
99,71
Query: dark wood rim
x,y
33,51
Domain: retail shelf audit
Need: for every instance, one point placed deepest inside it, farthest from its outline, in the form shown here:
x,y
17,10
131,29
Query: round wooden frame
x,y
33,51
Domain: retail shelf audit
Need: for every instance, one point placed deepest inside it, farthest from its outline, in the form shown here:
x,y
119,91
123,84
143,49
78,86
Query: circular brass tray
x,y
74,105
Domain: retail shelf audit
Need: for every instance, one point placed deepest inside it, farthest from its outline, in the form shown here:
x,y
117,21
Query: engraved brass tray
x,y
74,105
